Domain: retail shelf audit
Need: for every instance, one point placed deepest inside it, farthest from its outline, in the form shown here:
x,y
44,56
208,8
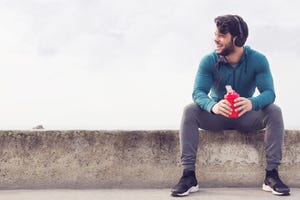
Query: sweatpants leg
x,y
271,119
194,118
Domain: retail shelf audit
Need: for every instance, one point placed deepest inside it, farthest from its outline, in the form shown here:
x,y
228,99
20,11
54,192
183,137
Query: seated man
x,y
244,69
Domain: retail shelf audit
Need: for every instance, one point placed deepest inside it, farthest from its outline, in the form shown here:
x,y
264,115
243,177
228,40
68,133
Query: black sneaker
x,y
187,183
273,184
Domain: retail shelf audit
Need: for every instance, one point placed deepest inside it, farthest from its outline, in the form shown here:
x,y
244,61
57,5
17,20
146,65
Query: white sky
x,y
88,64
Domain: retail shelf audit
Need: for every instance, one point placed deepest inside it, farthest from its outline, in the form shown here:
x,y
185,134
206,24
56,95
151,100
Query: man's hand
x,y
222,108
242,105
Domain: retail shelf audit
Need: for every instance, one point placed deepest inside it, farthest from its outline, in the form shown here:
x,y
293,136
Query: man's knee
x,y
274,116
191,109
273,110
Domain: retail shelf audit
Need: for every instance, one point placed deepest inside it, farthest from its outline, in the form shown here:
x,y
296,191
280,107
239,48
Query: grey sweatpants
x,y
194,118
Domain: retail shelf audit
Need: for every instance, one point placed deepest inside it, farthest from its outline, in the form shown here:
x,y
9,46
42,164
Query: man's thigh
x,y
210,121
250,121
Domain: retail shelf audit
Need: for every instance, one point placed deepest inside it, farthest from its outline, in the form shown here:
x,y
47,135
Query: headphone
x,y
240,39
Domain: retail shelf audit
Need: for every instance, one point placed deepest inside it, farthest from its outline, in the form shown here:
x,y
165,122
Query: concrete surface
x,y
153,194
136,159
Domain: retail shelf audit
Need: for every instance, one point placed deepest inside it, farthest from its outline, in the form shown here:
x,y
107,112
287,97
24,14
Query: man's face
x,y
224,43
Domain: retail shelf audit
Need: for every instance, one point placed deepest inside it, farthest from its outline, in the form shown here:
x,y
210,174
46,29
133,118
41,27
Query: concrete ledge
x,y
136,159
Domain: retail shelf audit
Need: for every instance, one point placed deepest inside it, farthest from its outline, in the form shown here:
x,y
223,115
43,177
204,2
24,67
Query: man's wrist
x,y
212,109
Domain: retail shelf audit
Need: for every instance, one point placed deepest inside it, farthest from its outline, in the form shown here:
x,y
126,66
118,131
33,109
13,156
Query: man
x,y
244,69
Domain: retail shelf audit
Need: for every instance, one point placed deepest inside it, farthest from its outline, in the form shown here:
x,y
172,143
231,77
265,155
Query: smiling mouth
x,y
219,46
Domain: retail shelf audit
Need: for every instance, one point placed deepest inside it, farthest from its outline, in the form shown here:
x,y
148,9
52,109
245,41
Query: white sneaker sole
x,y
191,190
269,189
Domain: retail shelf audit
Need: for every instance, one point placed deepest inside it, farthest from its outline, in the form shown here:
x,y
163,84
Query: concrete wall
x,y
136,159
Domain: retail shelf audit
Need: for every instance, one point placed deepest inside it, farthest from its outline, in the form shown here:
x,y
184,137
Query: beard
x,y
228,49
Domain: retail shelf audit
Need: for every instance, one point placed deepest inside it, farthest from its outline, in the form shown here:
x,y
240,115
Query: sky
x,y
128,65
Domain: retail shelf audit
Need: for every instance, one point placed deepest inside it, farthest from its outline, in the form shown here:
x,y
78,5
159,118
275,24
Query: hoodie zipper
x,y
233,79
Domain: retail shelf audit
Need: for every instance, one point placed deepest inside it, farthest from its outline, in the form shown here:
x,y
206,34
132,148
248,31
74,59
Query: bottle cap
x,y
229,88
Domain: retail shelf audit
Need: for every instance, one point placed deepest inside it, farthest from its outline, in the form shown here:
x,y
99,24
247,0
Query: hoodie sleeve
x,y
203,83
265,85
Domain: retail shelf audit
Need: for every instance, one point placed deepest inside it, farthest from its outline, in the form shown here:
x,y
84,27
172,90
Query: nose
x,y
216,39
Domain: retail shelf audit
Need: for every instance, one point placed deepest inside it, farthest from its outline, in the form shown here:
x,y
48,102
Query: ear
x,y
239,41
234,40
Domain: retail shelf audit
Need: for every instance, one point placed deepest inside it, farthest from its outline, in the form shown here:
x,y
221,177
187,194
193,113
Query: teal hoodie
x,y
252,72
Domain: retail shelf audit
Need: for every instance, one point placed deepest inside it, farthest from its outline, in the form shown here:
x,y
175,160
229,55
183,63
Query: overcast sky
x,y
95,64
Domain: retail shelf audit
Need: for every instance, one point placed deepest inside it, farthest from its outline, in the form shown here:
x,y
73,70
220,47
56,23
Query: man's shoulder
x,y
254,53
211,57
256,59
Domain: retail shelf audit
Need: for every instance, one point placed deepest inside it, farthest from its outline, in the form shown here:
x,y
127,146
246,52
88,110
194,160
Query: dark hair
x,y
233,24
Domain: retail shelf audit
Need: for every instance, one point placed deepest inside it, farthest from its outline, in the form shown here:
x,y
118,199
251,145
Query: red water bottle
x,y
231,96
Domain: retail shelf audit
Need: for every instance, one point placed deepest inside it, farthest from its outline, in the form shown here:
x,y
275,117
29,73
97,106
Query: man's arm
x,y
265,85
203,83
